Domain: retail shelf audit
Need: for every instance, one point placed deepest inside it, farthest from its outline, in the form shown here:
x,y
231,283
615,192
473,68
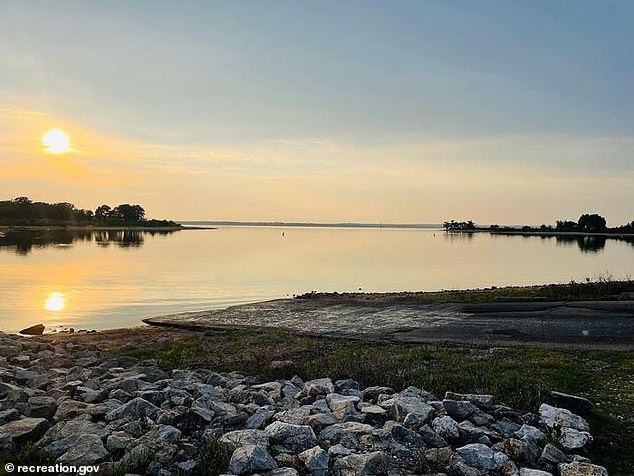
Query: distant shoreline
x,y
310,224
544,233
99,228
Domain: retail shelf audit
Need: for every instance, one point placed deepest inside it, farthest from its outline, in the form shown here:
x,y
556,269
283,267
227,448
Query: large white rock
x,y
562,418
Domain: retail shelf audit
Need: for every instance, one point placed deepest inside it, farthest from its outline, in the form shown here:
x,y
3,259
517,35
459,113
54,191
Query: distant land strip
x,y
310,224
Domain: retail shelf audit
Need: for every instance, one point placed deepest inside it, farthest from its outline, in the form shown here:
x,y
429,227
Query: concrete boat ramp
x,y
578,324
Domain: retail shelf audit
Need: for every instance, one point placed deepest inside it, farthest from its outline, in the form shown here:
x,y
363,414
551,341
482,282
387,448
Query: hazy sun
x,y
55,302
56,141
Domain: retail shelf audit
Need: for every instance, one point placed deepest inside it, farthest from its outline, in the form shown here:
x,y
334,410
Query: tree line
x,y
587,223
24,211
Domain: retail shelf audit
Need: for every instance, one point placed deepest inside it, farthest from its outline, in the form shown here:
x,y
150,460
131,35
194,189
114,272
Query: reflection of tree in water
x,y
22,242
123,238
460,236
586,243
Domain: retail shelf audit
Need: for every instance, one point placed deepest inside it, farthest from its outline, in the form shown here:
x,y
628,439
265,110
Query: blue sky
x,y
340,105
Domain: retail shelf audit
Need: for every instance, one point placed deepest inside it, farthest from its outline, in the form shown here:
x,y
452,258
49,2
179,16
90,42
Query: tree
x,y
566,225
102,212
22,200
128,213
592,223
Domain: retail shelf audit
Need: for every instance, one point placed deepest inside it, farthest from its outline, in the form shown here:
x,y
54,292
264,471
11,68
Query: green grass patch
x,y
521,377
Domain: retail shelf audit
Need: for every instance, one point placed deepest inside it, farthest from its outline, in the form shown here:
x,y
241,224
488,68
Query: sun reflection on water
x,y
55,302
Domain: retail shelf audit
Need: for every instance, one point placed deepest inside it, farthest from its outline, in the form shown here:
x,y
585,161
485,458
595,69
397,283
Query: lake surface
x,y
97,280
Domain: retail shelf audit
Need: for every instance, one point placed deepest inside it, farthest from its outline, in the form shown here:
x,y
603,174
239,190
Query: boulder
x,y
250,459
366,464
26,429
446,427
459,410
295,438
36,330
401,406
321,386
234,439
478,456
577,468
561,418
87,450
551,455
531,433
135,409
533,472
319,421
485,402
315,460
342,406
572,439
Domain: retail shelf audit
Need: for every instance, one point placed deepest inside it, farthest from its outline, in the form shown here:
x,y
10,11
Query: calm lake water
x,y
96,280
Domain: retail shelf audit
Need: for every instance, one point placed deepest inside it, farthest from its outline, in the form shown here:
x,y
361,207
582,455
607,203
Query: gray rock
x,y
446,427
322,386
319,421
367,464
59,447
372,393
522,450
88,449
431,438
531,433
234,439
26,429
249,459
8,415
337,451
259,419
342,406
41,406
350,429
478,456
577,468
295,438
552,455
80,425
118,441
135,409
562,418
459,410
572,439
485,402
316,461
346,384
534,472
401,406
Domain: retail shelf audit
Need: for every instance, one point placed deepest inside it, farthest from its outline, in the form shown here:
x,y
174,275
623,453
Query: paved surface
x,y
583,324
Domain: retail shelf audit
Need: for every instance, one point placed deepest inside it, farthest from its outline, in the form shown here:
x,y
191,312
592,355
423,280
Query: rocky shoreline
x,y
83,406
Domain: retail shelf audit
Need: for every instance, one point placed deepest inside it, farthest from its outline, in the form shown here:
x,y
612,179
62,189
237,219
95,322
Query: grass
x,y
518,376
29,454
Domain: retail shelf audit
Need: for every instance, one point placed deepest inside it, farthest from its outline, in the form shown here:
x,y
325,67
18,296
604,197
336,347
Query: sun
x,y
56,141
55,302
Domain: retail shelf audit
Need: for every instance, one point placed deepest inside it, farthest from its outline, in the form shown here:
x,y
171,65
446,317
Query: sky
x,y
357,111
